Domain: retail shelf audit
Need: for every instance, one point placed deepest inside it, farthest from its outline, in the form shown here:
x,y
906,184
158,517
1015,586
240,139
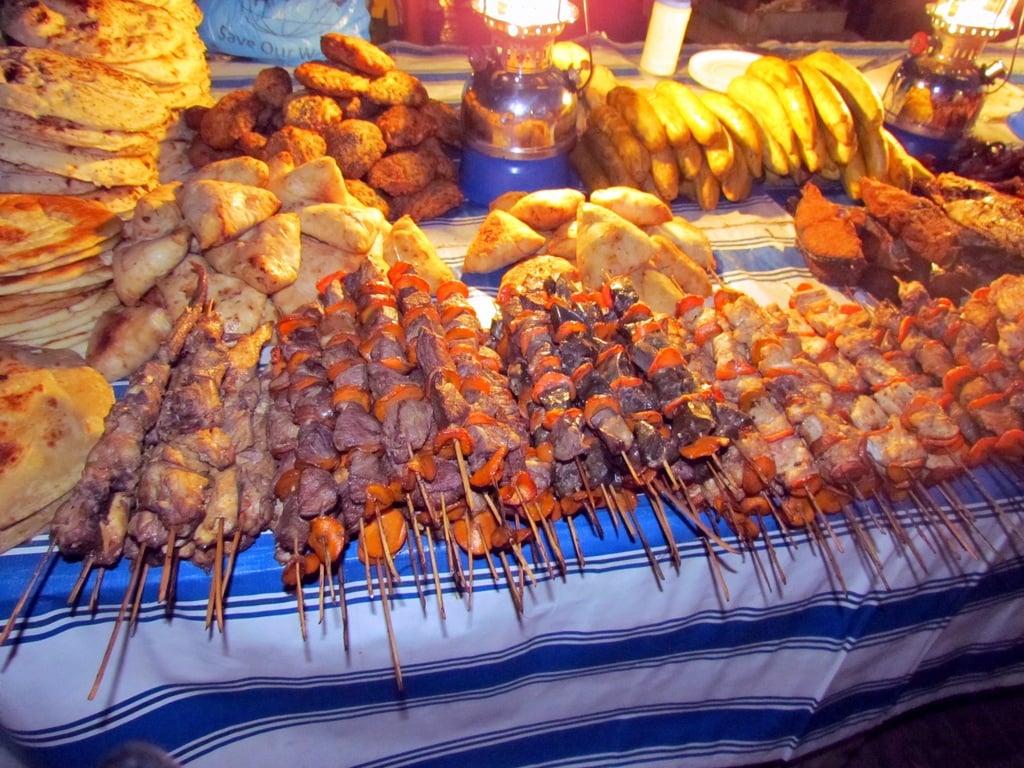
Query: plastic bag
x,y
282,32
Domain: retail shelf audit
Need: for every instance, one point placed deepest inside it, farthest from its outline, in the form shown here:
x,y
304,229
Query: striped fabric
x,y
796,644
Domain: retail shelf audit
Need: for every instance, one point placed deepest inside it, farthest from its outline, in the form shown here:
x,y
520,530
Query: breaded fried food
x,y
253,144
326,78
368,196
444,165
403,126
303,145
401,173
447,122
356,145
435,199
358,107
313,111
234,114
396,87
272,85
361,55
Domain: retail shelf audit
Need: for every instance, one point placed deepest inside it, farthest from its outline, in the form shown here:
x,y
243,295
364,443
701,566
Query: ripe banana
x,y
705,127
676,129
857,91
761,101
634,154
746,133
640,115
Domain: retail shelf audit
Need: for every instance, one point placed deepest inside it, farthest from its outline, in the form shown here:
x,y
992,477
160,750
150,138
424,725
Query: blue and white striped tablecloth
x,y
606,666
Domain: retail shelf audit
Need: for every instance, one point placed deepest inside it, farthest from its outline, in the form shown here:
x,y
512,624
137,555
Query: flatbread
x,y
111,31
56,132
47,83
101,168
37,229
77,274
52,408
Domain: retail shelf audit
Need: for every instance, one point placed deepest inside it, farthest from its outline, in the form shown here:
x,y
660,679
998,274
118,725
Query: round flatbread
x,y
46,83
52,408
37,229
100,168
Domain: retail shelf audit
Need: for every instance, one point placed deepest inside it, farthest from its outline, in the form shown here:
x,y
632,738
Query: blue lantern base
x,y
484,178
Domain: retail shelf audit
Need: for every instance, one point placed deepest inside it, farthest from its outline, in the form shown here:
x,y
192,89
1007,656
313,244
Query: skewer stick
x,y
213,600
417,561
902,538
94,597
83,576
390,629
961,510
866,545
993,503
434,572
366,564
321,601
685,507
129,593
580,560
552,538
659,513
517,549
825,522
230,567
926,499
299,596
716,569
630,521
454,561
19,606
343,605
773,556
165,577
590,505
137,605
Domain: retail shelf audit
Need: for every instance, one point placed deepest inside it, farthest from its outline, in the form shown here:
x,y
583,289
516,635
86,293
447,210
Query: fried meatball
x,y
253,144
401,173
356,53
234,114
273,86
312,111
435,199
446,119
355,145
193,116
397,87
368,196
403,126
303,145
323,77
358,107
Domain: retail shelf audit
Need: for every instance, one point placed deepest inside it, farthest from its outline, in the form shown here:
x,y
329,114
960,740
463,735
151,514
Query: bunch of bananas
x,y
816,115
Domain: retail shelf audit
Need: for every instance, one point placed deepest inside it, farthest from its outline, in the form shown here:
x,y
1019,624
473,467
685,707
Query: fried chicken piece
x,y
397,87
356,145
273,86
326,78
828,239
401,173
313,111
357,53
447,122
403,126
434,200
303,145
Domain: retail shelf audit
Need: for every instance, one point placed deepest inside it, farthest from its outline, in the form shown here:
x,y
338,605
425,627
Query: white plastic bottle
x,y
665,33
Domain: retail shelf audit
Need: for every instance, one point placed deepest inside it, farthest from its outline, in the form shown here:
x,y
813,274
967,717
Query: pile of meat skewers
x,y
388,418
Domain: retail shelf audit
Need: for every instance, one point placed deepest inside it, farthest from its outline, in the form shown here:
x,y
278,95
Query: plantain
x,y
836,119
689,158
872,147
851,174
763,103
705,127
602,80
721,155
587,165
665,173
738,181
640,115
676,129
635,155
611,162
782,76
706,188
860,96
741,125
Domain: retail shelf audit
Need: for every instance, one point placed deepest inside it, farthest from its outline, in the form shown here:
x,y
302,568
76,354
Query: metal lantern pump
x,y
936,93
519,112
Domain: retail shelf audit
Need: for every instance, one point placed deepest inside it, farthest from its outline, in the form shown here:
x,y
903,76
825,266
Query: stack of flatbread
x,y
73,126
52,408
55,274
156,43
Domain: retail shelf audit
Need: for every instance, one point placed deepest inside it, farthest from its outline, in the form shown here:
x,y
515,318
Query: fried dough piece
x,y
501,240
406,242
357,53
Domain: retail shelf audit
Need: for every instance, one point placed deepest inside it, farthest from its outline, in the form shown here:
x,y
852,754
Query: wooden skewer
x,y
390,629
826,523
136,607
716,569
773,556
683,504
454,562
83,576
300,603
434,572
165,577
129,595
962,512
628,516
516,547
41,566
94,597
417,561
590,504
230,567
926,502
901,535
659,513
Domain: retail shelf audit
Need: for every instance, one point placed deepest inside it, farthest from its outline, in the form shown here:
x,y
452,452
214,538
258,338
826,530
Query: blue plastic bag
x,y
283,32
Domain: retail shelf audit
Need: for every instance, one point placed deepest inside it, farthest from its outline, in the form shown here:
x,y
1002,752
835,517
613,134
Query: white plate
x,y
716,67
